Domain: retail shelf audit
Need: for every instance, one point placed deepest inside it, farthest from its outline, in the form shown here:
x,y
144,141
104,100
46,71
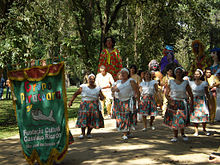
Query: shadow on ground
x,y
107,147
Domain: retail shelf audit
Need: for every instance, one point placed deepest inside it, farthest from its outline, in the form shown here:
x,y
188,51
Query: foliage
x,y
75,29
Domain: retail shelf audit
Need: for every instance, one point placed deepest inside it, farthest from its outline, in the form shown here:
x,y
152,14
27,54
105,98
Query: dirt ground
x,y
107,147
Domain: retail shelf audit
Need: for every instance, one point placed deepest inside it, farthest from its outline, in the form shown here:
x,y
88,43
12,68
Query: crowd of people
x,y
130,95
4,84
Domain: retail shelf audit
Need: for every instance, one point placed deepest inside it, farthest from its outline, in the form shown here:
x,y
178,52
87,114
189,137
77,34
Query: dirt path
x,y
106,147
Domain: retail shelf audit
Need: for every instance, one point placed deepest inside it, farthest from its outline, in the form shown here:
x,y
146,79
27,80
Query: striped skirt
x,y
200,113
89,115
148,106
176,115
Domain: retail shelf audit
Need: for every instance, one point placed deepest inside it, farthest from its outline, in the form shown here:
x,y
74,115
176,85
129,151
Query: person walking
x,y
211,79
105,81
177,113
137,78
200,114
125,88
148,106
89,115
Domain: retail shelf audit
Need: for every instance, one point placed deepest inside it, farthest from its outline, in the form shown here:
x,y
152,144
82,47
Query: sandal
x,y
174,139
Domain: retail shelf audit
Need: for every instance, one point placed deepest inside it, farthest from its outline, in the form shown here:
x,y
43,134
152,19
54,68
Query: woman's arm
x,y
189,91
167,92
115,89
135,89
79,91
101,96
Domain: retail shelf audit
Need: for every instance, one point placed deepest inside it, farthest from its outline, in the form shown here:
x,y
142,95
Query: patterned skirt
x,y
176,115
123,121
200,113
148,106
89,115
114,107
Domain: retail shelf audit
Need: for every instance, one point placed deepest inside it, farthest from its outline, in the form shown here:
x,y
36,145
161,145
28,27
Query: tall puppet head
x,y
215,53
198,48
168,51
168,58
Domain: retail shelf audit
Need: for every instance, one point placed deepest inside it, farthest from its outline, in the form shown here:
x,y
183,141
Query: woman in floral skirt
x,y
126,88
177,113
89,114
148,104
201,96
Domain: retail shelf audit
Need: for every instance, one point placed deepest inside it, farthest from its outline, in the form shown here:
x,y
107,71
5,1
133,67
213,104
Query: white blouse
x,y
178,91
89,94
125,90
148,87
198,90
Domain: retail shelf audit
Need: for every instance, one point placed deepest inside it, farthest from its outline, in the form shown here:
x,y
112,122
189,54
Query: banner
x,y
39,96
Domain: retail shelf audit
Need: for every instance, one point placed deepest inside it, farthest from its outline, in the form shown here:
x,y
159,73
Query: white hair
x,y
125,69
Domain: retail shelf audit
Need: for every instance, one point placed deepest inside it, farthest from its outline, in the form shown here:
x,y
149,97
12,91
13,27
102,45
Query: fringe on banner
x,y
31,63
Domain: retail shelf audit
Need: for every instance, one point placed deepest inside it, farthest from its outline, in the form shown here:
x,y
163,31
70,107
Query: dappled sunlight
x,y
107,147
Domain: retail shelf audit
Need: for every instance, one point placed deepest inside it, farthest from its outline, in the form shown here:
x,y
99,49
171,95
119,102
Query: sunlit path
x,y
107,147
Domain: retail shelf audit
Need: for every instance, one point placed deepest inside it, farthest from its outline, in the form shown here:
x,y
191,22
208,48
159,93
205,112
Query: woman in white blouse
x,y
177,113
126,88
89,114
201,96
148,105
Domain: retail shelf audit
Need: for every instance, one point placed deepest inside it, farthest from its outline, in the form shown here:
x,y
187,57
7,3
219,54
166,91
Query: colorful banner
x,y
39,96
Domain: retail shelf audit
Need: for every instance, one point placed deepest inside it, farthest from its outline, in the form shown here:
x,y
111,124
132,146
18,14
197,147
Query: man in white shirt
x,y
105,81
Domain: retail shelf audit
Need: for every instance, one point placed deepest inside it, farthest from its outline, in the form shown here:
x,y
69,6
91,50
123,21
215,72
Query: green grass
x,y
8,123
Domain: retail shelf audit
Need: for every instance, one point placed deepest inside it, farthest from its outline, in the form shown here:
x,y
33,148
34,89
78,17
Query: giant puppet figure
x,y
168,58
153,66
200,61
110,58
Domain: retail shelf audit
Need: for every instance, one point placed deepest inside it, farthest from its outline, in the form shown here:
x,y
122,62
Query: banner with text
x,y
40,103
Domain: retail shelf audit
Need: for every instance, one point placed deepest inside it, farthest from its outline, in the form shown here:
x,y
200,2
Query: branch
x,y
114,14
100,13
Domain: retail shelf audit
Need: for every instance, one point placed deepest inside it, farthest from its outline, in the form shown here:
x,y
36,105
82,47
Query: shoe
x,y
153,128
81,136
144,129
196,134
207,133
185,138
174,139
124,137
89,136
133,128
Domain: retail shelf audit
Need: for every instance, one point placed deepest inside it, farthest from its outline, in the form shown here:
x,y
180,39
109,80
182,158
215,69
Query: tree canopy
x,y
76,29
